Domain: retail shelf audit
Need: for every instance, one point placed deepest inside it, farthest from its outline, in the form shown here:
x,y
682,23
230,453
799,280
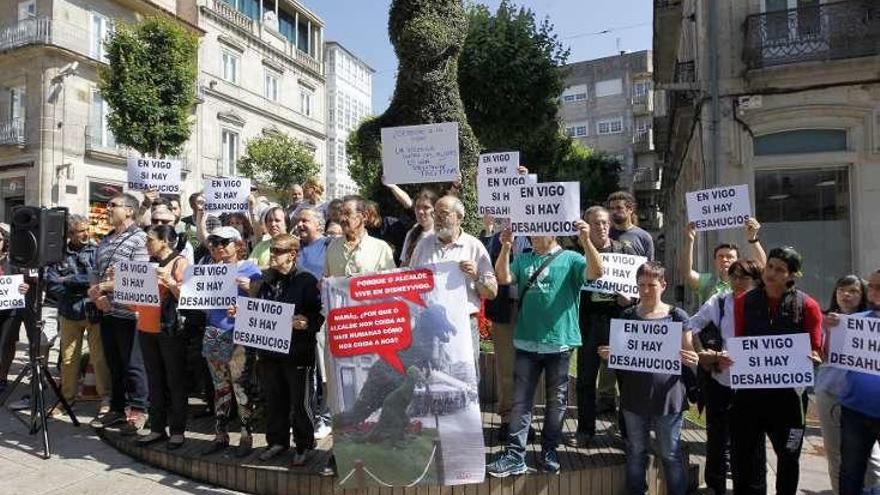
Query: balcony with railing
x,y
646,179
643,141
43,31
101,144
12,133
827,31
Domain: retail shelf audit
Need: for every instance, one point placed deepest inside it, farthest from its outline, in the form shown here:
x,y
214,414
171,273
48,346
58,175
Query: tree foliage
x,y
511,77
149,85
277,161
597,172
427,36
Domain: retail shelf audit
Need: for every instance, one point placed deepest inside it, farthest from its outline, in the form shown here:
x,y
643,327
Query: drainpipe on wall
x,y
714,172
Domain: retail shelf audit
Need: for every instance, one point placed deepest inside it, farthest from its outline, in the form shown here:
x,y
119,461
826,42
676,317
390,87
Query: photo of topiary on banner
x,y
402,379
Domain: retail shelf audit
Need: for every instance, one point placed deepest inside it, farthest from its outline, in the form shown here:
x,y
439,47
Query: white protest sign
x,y
136,283
772,361
720,208
855,344
547,208
10,298
226,195
618,275
420,153
646,346
263,324
151,173
208,287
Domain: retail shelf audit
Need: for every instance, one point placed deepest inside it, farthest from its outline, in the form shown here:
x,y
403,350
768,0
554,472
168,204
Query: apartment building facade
x,y
349,101
782,95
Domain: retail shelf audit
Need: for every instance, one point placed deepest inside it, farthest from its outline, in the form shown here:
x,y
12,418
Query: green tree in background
x,y
149,84
511,78
598,172
276,162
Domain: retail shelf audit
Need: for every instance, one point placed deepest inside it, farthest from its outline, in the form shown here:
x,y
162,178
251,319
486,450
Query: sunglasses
x,y
279,251
162,222
219,242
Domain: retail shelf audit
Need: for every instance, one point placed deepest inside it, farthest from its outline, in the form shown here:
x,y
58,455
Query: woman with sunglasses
x,y
286,377
230,364
162,341
713,325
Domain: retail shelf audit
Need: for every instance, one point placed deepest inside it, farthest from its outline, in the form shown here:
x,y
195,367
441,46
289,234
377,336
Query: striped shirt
x,y
130,245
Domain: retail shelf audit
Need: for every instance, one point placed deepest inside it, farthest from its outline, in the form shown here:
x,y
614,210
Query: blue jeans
x,y
527,370
668,431
858,433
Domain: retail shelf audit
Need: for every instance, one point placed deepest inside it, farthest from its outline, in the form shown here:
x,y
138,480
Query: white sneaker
x,y
323,431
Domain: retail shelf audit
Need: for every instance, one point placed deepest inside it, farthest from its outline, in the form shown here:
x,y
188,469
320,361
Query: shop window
x,y
100,193
801,141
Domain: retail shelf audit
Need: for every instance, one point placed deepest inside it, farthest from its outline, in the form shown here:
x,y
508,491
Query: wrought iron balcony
x,y
685,72
12,132
643,141
829,31
232,15
43,31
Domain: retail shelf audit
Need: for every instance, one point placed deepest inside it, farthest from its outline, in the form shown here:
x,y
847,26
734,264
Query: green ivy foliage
x,y
149,85
276,162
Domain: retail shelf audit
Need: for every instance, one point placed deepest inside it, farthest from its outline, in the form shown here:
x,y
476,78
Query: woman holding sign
x,y
286,375
652,397
229,363
163,343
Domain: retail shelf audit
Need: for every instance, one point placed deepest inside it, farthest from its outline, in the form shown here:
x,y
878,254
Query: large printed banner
x,y
774,361
420,153
10,297
208,287
151,173
618,275
263,324
855,344
546,208
136,283
720,208
645,346
402,379
226,195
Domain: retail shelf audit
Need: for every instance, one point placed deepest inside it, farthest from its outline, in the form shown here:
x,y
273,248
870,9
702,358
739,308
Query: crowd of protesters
x,y
148,360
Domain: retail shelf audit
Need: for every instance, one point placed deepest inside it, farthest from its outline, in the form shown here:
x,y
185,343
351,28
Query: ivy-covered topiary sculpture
x,y
427,36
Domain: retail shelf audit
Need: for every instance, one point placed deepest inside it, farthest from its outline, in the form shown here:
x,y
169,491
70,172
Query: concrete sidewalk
x,y
81,463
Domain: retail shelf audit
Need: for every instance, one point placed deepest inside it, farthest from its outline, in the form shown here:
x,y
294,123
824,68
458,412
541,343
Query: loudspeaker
x,y
38,236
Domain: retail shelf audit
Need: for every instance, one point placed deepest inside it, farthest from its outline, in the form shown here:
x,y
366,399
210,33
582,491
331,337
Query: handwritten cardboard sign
x,y
226,195
775,361
150,173
719,208
645,346
420,153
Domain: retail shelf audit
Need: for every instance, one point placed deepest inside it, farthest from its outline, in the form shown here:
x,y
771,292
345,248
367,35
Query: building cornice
x,y
266,113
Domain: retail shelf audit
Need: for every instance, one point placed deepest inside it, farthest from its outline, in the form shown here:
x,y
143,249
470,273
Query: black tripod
x,y
36,370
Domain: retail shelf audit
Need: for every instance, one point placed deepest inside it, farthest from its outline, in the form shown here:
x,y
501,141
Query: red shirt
x,y
812,317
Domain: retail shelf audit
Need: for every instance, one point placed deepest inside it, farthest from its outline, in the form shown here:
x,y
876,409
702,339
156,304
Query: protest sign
x,y
226,195
208,287
497,175
774,361
136,283
548,208
420,153
618,275
646,346
719,208
263,324
384,333
150,173
10,298
855,344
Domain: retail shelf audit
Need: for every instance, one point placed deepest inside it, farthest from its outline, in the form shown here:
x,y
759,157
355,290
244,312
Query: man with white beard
x,y
449,242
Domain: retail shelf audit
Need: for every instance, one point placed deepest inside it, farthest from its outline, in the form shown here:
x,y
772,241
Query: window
x,y
305,102
27,10
17,104
574,93
569,131
610,126
99,130
641,88
229,151
271,83
101,28
609,88
580,131
811,207
801,141
580,96
568,98
229,66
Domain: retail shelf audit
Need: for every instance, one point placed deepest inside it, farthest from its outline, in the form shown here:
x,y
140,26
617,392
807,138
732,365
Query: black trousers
x,y
165,359
122,351
198,375
588,362
757,414
719,401
289,396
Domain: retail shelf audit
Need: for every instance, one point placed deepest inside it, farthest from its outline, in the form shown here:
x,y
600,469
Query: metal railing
x,y
232,15
643,140
829,31
44,31
685,72
12,132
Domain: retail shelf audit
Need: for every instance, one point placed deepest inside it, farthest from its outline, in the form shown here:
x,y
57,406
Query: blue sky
x,y
361,26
